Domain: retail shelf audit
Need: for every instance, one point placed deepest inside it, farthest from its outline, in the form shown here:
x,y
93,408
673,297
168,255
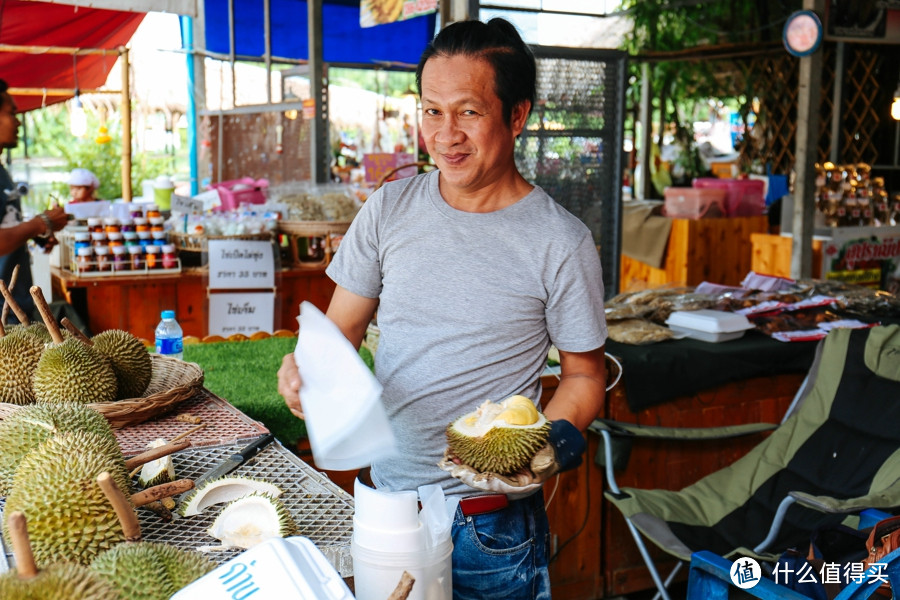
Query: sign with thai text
x,y
245,313
864,255
379,163
241,264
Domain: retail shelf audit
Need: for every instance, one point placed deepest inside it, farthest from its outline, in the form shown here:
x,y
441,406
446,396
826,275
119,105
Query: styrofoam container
x,y
709,325
277,568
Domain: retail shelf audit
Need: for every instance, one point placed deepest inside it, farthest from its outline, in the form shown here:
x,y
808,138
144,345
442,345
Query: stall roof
x,y
46,25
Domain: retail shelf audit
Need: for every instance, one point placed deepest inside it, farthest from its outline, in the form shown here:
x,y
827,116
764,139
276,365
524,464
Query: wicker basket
x,y
173,381
329,231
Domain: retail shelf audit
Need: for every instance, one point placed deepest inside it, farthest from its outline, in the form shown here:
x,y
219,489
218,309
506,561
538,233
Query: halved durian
x,y
499,437
252,519
224,489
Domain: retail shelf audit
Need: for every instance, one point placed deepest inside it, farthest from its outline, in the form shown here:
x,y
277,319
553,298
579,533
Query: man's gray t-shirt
x,y
469,304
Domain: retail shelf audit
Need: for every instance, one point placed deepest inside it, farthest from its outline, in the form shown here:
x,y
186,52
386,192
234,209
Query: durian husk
x,y
55,486
30,426
500,447
129,359
59,581
149,571
72,371
239,524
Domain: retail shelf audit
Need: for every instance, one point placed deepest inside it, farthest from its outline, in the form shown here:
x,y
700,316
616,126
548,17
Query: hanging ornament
x,y
103,136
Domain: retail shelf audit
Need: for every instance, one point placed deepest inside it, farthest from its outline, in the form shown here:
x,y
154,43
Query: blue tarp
x,y
343,40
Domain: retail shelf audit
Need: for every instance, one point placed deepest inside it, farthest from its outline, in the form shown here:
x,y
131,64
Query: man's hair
x,y
4,87
497,42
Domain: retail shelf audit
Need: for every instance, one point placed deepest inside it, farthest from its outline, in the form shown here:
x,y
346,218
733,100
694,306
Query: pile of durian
x,y
62,471
40,363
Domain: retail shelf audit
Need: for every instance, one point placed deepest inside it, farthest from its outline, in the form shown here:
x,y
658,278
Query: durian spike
x,y
12,284
154,453
20,314
18,531
76,332
127,517
163,490
49,321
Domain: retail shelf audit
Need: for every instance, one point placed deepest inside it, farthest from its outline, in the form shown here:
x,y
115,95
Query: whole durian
x,y
73,371
129,359
59,581
30,426
69,515
499,437
20,352
150,571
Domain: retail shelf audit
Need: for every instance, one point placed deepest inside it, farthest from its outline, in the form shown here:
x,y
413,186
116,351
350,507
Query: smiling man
x,y
475,272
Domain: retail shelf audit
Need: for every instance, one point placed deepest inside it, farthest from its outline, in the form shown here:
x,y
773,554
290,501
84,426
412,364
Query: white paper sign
x,y
186,205
241,264
241,313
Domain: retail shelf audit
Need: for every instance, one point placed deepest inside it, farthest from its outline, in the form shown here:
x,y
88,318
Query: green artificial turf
x,y
246,375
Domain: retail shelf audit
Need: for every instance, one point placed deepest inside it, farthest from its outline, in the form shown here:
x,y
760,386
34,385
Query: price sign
x,y
379,163
186,205
241,313
241,264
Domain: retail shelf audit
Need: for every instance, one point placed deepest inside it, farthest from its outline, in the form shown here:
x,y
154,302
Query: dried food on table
x,y
638,331
663,306
616,312
649,295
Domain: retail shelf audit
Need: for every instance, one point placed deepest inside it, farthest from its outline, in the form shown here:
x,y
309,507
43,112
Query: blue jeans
x,y
502,554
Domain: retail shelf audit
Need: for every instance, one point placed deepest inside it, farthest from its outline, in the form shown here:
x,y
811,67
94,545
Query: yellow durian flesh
x,y
499,437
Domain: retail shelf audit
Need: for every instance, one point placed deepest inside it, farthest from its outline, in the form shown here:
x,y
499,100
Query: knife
x,y
232,462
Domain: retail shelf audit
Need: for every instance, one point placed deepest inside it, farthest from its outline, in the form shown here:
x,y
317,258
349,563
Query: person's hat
x,y
83,177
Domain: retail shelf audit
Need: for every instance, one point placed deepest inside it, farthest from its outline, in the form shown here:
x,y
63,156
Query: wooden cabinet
x,y
134,303
597,557
772,255
714,250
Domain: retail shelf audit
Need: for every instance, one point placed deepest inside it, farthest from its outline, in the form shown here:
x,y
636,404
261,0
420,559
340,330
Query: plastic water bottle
x,y
169,337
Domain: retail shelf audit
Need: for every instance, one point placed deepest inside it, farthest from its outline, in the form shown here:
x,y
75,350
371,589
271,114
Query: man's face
x,y
463,125
9,122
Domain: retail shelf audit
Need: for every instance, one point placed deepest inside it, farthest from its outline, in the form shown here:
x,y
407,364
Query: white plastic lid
x,y
119,249
134,249
85,251
101,250
153,249
168,248
714,321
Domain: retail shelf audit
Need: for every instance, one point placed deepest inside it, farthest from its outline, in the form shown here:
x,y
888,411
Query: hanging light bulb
x,y
78,118
895,106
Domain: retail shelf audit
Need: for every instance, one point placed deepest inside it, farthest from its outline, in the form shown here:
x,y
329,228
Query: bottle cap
x,y
84,251
168,314
134,249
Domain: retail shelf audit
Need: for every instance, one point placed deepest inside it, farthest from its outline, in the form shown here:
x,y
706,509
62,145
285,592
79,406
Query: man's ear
x,y
520,116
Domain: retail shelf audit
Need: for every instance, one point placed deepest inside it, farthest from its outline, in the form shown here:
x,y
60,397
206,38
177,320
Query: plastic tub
x,y
743,197
235,192
694,203
376,574
709,325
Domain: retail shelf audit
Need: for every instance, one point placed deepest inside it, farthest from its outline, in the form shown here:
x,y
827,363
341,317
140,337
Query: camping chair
x,y
836,453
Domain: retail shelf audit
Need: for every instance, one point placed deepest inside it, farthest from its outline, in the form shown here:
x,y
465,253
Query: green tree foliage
x,y
670,26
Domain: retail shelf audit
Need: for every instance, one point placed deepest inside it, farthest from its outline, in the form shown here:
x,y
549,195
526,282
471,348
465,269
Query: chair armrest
x,y
622,435
882,499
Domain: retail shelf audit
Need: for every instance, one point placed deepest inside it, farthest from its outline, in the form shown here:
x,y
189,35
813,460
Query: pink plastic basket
x,y
743,197
250,191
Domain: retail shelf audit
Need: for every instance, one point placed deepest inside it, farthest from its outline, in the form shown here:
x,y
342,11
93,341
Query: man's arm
x,y
352,314
582,388
14,237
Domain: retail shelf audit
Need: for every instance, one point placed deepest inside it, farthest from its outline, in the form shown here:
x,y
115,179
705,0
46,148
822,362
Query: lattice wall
x,y
773,79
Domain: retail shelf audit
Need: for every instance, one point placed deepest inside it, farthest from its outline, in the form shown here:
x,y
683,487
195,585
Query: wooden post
x,y
644,191
126,128
809,100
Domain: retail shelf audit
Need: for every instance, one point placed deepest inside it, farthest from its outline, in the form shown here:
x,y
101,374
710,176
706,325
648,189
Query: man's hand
x,y
289,385
522,482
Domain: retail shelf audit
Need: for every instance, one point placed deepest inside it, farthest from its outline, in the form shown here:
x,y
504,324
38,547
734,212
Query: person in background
x,y
83,186
475,272
14,232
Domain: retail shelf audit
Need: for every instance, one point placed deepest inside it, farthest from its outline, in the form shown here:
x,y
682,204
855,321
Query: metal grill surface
x,y
323,511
